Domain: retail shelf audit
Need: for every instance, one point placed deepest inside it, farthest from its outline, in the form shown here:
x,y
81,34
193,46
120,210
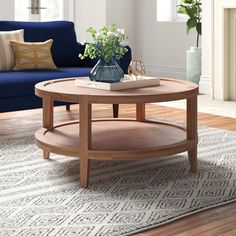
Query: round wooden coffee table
x,y
113,139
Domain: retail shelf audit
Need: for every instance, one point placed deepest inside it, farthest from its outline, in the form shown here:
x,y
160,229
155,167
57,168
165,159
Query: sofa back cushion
x,y
65,48
7,59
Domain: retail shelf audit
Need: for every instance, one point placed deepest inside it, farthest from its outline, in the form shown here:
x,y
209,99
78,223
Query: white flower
x,y
112,34
121,31
98,35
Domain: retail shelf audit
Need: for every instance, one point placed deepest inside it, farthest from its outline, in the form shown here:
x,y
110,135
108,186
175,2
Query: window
x,y
52,10
21,10
167,11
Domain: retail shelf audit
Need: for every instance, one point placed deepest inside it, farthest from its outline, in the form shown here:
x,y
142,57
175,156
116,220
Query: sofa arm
x,y
123,62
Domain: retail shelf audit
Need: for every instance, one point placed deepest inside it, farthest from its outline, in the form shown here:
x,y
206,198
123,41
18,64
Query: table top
x,y
66,90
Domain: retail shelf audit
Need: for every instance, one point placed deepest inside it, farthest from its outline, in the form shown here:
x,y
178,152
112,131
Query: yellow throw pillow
x,y
7,58
33,56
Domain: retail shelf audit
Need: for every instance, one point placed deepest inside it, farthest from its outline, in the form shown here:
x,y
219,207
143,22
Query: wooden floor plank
x,y
211,228
215,221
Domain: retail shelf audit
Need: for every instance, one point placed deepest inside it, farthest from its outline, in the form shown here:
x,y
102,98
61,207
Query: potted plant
x,y
193,9
107,47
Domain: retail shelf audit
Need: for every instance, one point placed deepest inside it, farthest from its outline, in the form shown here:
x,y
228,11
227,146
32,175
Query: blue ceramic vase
x,y
106,72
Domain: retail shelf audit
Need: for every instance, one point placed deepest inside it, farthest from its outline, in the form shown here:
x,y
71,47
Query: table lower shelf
x,y
117,139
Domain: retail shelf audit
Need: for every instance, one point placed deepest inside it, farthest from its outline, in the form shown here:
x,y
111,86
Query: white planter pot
x,y
194,64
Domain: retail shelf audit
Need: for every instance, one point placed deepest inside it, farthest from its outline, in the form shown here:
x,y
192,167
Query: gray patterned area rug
x,y
40,197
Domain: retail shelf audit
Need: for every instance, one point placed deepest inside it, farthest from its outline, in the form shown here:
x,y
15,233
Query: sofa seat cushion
x,y
21,83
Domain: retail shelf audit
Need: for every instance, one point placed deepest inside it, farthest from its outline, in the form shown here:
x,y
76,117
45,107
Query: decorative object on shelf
x,y
193,9
108,48
136,69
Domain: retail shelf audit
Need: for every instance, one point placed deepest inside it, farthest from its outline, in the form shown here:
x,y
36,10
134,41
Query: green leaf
x,y
199,28
182,10
91,30
191,23
192,11
107,43
189,1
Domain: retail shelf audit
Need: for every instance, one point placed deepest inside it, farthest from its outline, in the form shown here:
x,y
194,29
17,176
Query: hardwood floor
x,y
216,221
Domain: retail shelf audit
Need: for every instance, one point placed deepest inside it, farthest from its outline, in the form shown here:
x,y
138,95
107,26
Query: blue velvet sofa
x,y
17,87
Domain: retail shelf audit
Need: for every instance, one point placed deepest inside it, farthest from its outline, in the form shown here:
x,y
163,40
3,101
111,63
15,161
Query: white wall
x,y
7,9
162,45
122,13
205,85
89,13
104,12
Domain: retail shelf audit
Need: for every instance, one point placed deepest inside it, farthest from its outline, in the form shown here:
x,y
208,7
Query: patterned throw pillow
x,y
7,58
33,56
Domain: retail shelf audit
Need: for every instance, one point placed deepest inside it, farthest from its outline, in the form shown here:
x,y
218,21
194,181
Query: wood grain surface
x,y
129,140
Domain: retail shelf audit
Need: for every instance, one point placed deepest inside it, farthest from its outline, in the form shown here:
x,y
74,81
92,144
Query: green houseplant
x,y
193,9
107,47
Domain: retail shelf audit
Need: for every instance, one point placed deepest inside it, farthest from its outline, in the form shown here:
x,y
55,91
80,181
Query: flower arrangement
x,y
107,44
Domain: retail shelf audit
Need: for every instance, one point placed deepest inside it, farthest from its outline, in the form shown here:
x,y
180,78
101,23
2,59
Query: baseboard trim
x,y
166,71
205,86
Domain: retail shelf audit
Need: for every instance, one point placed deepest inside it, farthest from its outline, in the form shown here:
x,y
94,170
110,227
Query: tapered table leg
x,y
115,110
85,140
192,157
46,154
68,107
140,112
192,131
47,119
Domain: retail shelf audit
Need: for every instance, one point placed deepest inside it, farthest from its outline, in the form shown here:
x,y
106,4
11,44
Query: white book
x,y
128,82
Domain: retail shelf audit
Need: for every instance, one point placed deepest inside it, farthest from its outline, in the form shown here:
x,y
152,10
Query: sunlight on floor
x,y
207,105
